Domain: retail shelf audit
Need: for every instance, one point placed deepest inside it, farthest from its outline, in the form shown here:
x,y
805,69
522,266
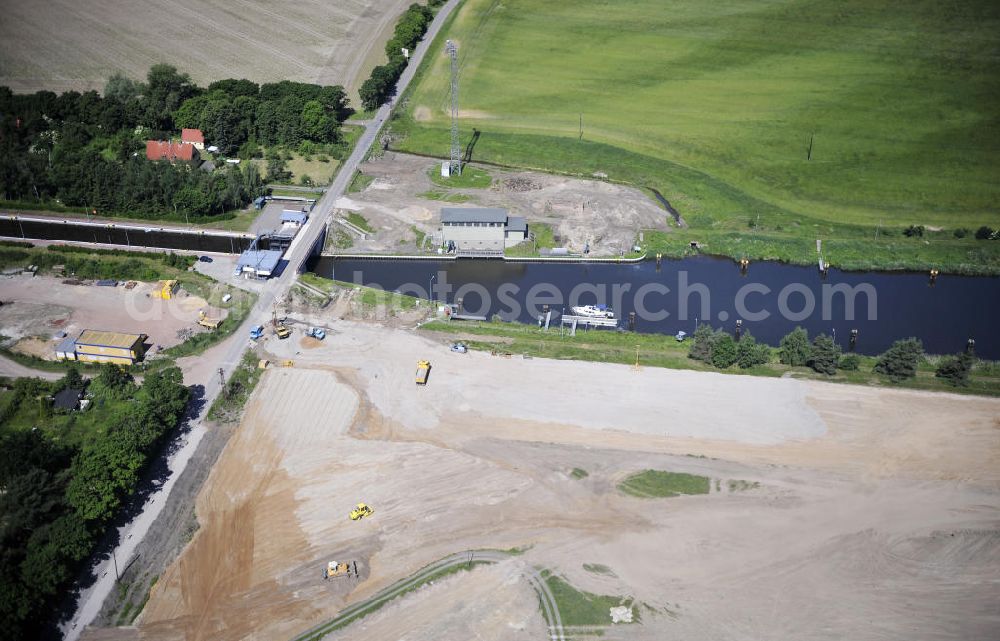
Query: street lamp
x,y
430,294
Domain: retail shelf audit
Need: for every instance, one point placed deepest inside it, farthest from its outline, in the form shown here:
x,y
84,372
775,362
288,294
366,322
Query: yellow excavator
x,y
361,511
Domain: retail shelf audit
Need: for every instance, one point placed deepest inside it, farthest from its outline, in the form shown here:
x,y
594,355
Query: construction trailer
x,y
103,347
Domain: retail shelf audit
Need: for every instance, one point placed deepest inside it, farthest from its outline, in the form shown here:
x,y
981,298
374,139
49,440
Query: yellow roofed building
x,y
109,347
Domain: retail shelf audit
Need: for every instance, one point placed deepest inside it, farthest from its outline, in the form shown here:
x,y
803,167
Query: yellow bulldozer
x,y
335,569
361,511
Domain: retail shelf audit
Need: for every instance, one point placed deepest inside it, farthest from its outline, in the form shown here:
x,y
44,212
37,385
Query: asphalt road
x,y
132,533
13,369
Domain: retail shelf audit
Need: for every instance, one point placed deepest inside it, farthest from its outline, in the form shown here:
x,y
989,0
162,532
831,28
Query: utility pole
x,y
222,380
581,127
456,155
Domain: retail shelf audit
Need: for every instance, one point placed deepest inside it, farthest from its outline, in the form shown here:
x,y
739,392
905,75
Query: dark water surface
x,y
118,235
772,298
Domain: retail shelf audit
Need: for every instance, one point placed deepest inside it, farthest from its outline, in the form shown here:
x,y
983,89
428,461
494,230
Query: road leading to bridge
x,y
132,533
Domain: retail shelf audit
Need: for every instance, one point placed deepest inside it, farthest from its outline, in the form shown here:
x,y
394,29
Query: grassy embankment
x,y
366,296
656,350
579,608
229,405
846,122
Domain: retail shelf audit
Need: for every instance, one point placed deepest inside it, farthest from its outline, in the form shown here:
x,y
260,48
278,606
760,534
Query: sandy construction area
x,y
61,45
865,513
608,217
43,306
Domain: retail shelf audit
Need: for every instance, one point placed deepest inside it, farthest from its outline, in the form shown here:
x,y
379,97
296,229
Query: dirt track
x,y
876,514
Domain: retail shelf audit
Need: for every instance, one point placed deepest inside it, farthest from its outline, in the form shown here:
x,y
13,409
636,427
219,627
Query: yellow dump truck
x,y
423,371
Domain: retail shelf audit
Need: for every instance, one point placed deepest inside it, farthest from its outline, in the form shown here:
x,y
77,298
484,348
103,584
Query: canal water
x,y
220,242
771,298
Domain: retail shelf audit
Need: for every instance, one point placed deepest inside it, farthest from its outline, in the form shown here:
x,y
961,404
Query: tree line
x,y
57,499
409,30
823,355
88,150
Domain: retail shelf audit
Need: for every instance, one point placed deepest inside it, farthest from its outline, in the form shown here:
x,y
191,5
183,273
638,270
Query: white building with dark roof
x,y
481,231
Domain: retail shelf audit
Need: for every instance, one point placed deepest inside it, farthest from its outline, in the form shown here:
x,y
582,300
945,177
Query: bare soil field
x,y
35,309
579,211
852,512
61,45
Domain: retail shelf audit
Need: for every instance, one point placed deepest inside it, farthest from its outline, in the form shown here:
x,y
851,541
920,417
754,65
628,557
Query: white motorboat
x,y
593,311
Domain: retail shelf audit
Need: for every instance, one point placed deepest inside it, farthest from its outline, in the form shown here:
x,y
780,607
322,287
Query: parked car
x,y
459,348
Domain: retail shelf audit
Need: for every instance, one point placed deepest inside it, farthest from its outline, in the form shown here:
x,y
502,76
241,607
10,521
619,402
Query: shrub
x,y
899,362
704,340
850,362
749,352
724,352
249,150
984,233
794,349
961,232
825,355
955,369
914,231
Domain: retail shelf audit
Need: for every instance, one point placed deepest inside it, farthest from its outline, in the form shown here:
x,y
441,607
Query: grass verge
x,y
229,405
359,182
657,350
445,196
470,178
577,607
367,296
360,222
657,483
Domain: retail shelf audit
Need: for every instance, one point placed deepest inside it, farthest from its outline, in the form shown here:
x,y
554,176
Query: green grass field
x,y
657,483
717,104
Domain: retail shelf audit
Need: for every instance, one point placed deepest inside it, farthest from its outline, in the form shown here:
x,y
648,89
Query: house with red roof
x,y
193,136
172,151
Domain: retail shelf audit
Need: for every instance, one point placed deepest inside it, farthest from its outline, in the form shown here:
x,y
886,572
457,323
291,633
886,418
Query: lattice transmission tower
x,y
456,152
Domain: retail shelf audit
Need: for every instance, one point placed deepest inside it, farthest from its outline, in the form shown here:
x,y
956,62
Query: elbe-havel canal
x,y
771,299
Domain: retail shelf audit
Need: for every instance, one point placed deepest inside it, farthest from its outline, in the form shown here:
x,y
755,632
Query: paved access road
x,y
358,610
91,599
